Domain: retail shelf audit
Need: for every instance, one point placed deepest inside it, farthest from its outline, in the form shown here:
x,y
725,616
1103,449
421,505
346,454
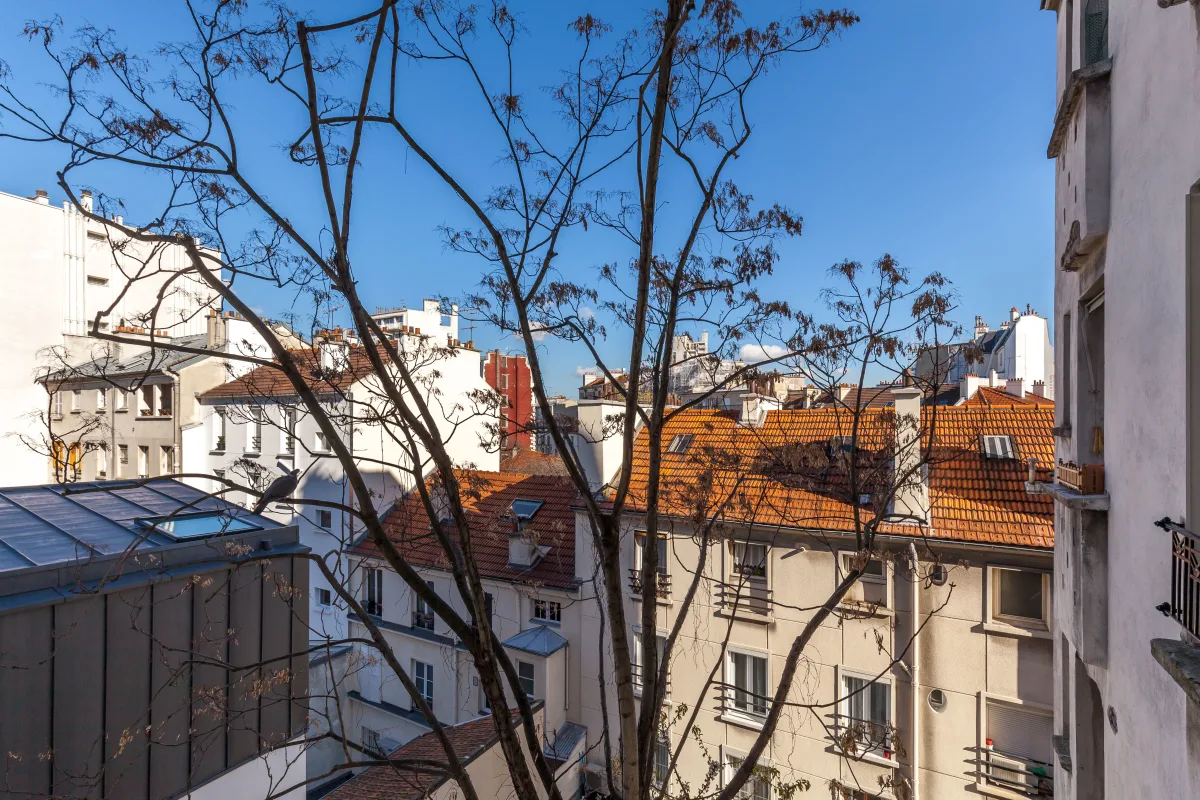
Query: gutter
x,y
914,672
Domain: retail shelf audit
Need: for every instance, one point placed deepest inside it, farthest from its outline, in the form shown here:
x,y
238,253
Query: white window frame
x,y
220,436
121,400
102,461
146,409
164,393
662,746
679,444
547,611
320,442
422,673
122,454
166,460
992,601
56,410
288,434
76,401
730,761
735,563
746,716
531,690
254,431
845,557
999,446
876,753
101,399
373,590
985,701
639,660
143,464
325,519
324,596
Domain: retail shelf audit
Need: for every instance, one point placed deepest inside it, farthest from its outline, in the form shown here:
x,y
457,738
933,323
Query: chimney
x,y
993,380
216,331
981,327
1015,387
1039,388
41,197
1015,315
910,493
969,385
755,408
335,354
85,199
842,390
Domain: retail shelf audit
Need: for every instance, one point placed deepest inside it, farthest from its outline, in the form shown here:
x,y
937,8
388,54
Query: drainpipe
x,y
915,749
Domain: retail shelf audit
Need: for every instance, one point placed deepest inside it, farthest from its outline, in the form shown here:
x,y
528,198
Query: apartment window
x,y
143,464
748,679
76,400
871,588
123,453
489,606
639,540
938,575
102,461
525,675
166,461
1020,597
146,401
867,714
1094,41
423,678
639,658
255,432
662,758
679,444
373,592
324,597
57,410
122,399
370,740
1064,392
289,431
504,383
998,447
547,610
422,611
1017,753
750,559
219,425
322,442
164,399
101,399
757,787
324,518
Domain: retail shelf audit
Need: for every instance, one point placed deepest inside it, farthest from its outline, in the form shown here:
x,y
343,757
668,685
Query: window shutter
x,y
1018,732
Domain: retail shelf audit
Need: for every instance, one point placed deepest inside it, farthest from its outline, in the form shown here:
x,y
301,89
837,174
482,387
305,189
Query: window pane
x,y
1020,593
880,705
856,703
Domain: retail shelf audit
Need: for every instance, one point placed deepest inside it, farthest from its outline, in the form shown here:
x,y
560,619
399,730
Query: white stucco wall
x,y
280,773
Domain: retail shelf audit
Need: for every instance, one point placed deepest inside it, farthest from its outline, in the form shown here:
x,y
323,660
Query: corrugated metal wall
x,y
97,695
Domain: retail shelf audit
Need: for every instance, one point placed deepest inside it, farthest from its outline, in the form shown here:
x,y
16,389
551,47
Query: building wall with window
x,y
1126,162
510,376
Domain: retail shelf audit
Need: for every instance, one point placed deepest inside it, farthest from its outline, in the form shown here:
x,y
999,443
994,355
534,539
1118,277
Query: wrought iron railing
x,y
859,737
1020,774
635,582
744,702
423,620
1095,31
1184,605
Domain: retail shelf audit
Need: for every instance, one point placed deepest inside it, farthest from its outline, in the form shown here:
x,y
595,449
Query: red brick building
x,y
510,376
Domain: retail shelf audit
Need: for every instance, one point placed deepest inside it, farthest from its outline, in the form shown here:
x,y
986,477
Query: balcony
x,y
864,738
1026,776
750,600
1081,488
636,670
1181,659
742,706
664,583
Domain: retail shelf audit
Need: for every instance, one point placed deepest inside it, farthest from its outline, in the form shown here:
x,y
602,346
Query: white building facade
x,y
1127,219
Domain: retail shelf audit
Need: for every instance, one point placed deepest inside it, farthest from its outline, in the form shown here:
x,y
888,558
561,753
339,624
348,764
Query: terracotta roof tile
x,y
271,382
487,498
779,474
531,462
988,396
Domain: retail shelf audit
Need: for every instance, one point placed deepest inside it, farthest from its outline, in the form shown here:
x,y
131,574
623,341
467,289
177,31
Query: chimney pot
x,y
40,196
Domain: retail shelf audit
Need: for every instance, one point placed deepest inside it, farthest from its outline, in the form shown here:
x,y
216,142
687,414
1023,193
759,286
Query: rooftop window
x,y
1002,447
525,509
182,527
680,444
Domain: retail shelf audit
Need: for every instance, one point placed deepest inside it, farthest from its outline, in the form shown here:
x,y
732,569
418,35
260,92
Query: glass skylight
x,y
525,509
197,526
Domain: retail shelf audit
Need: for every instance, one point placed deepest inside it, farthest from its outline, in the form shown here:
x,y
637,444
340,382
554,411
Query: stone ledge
x,y
1069,497
1182,662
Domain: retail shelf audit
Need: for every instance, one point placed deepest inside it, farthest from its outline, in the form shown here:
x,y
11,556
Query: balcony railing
x,y
744,702
423,620
1184,605
636,670
635,582
1026,776
752,597
860,737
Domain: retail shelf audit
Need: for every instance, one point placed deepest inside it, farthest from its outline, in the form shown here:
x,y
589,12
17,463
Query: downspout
x,y
176,415
914,671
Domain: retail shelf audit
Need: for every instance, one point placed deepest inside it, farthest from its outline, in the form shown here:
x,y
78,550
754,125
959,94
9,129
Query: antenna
x,y
471,331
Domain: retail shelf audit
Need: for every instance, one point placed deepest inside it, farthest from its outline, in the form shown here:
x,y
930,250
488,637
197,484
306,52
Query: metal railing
x,y
751,598
1184,605
859,737
1027,776
744,702
635,582
1095,31
636,671
423,620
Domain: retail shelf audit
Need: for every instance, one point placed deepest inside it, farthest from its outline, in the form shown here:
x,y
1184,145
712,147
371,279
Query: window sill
x,y
734,718
1182,662
865,610
286,455
121,410
252,454
551,623
1004,629
989,790
216,452
868,758
1069,497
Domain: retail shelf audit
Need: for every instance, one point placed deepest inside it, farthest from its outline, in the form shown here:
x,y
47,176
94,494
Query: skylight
x,y
1001,447
680,443
182,527
525,509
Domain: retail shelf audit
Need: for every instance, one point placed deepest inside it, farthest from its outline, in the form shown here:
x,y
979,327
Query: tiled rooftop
x,y
531,462
780,474
487,498
271,382
987,396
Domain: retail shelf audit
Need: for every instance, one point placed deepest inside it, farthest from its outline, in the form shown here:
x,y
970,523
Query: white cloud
x,y
753,353
581,371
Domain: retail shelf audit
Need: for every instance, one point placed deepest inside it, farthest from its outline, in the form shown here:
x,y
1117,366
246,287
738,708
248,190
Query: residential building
x,y
133,621
65,269
434,318
254,428
561,409
694,369
127,418
510,377
1018,350
524,540
966,563
531,462
1127,218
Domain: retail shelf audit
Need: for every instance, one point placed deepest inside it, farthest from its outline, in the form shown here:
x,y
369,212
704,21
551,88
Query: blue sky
x,y
921,132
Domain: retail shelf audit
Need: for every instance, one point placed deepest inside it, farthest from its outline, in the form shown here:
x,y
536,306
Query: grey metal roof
x,y
564,741
540,641
46,525
152,360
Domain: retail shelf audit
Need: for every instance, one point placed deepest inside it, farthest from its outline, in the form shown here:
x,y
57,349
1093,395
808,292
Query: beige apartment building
x,y
963,708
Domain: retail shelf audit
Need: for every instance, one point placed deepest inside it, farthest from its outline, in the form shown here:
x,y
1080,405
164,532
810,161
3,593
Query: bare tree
x,y
573,244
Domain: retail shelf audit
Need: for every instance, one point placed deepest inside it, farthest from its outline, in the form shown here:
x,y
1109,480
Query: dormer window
x,y
524,510
840,444
680,444
999,447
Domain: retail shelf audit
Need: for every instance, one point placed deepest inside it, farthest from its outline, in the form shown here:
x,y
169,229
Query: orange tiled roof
x,y
399,782
531,462
987,396
487,498
271,382
779,474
